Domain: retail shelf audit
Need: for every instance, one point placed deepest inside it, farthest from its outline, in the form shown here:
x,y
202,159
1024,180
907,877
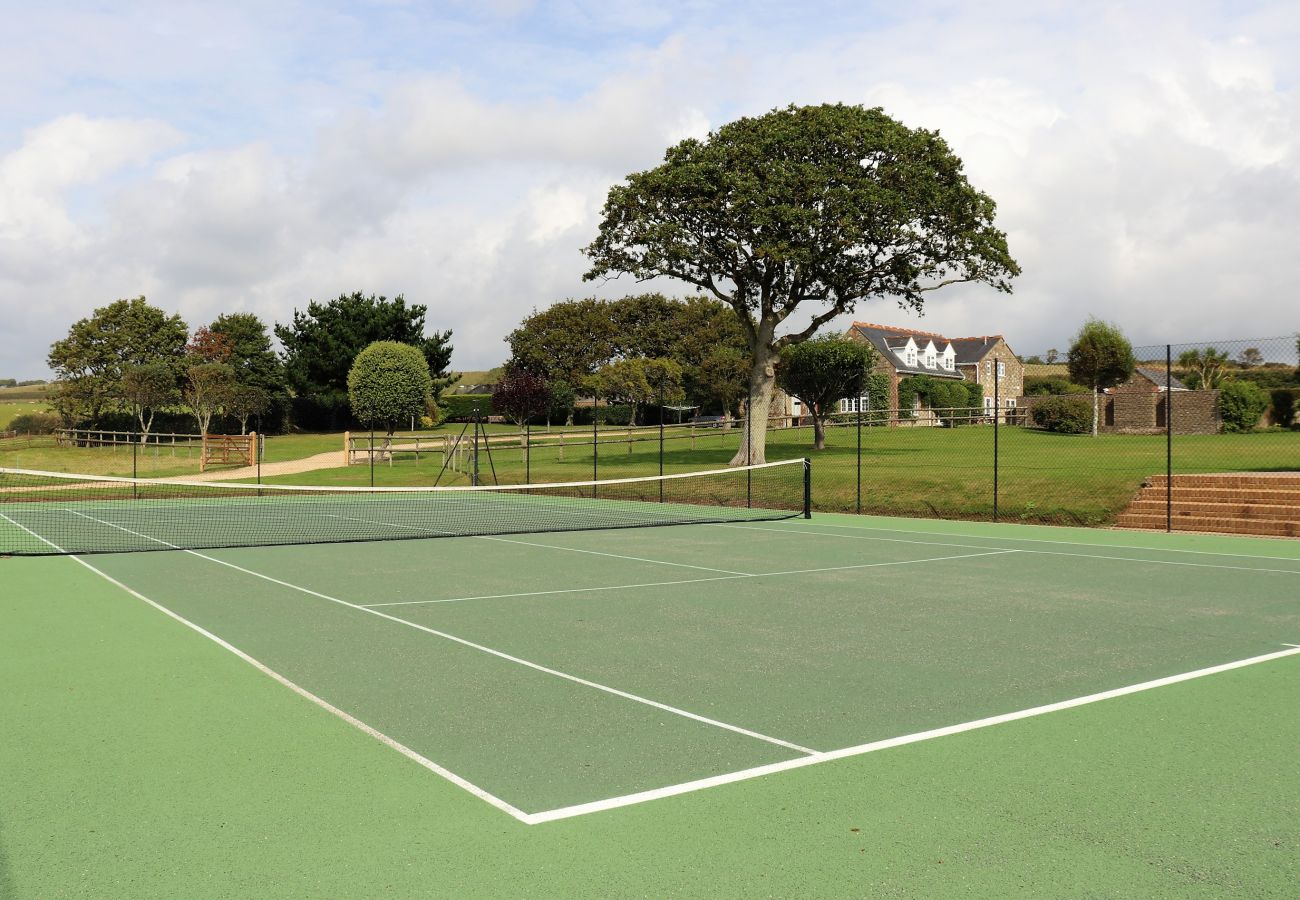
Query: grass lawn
x,y
914,471
11,409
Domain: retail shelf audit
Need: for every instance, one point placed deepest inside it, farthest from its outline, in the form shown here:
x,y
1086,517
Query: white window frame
x,y
988,406
1011,402
1002,369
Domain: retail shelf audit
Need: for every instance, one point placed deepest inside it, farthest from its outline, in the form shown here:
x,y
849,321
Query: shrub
x,y
1064,415
1241,403
460,407
389,384
1283,407
1052,385
34,423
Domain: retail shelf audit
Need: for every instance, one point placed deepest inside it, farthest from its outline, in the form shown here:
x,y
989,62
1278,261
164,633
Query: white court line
x,y
980,537
698,784
623,587
1154,562
486,537
301,691
581,809
480,647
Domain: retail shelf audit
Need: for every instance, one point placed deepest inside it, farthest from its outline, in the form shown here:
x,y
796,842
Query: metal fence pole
x,y
1169,438
595,441
858,501
661,440
997,402
473,478
749,448
135,445
528,451
371,454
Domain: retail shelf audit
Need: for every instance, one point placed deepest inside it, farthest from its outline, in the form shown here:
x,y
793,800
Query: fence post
x,y
858,501
749,449
661,440
1169,438
997,404
528,451
595,440
347,448
473,477
135,488
807,488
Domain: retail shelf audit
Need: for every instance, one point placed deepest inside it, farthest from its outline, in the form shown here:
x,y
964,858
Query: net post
x,y
807,488
1169,438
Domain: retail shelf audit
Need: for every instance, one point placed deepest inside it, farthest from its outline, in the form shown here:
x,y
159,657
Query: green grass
x,y
1048,478
11,409
150,762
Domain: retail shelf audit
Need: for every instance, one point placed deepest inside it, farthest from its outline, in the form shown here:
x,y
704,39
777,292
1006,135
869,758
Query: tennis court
x,y
557,674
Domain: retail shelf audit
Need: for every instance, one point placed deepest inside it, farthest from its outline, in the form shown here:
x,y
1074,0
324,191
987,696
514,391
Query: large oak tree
x,y
803,209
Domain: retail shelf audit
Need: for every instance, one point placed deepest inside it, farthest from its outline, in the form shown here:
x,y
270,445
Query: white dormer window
x,y
911,356
949,358
930,360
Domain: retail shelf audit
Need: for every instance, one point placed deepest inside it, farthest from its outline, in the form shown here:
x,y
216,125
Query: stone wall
x,y
1195,412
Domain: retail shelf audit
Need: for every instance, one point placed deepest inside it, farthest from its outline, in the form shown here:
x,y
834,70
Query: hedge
x,y
1066,414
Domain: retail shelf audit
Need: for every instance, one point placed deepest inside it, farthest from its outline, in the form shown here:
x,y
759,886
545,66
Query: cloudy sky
x,y
253,156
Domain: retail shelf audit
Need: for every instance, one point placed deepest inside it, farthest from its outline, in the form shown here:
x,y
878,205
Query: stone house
x,y
986,360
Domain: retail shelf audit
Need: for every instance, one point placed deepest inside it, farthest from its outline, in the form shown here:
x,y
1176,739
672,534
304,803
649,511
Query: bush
x,y
460,407
34,423
613,414
1054,385
1283,401
1241,404
1064,415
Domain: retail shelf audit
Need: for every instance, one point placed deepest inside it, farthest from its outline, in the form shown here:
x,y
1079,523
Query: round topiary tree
x,y
388,384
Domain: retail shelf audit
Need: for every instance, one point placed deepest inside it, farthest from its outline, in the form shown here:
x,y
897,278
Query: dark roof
x,y
1157,377
888,339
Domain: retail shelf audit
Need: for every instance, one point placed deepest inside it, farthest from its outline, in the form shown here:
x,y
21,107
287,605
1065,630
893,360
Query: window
x,y
1002,369
947,362
929,360
911,357
988,405
1011,403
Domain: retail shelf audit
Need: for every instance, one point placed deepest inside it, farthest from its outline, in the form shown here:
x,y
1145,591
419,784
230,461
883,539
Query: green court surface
x,y
839,705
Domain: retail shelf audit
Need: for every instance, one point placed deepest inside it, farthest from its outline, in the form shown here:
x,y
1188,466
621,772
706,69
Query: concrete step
x,y
1217,494
1271,481
1281,512
1218,525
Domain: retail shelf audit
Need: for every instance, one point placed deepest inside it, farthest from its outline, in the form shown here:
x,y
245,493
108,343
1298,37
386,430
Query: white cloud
x,y
1146,164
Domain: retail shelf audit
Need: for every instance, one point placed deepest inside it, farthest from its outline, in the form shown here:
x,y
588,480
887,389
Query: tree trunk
x,y
1096,394
762,378
819,430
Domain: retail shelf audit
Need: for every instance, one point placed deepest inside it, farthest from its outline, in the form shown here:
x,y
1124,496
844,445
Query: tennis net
x,y
47,513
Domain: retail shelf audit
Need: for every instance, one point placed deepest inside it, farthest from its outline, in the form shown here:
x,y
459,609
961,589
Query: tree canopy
x,y
816,206
388,384
638,381
520,396
571,340
1100,357
322,343
259,372
821,372
91,361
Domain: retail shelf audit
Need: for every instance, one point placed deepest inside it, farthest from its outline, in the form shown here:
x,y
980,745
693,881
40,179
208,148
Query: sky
x,y
245,156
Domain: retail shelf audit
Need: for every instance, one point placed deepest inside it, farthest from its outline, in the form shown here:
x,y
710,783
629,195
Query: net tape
x,y
45,513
